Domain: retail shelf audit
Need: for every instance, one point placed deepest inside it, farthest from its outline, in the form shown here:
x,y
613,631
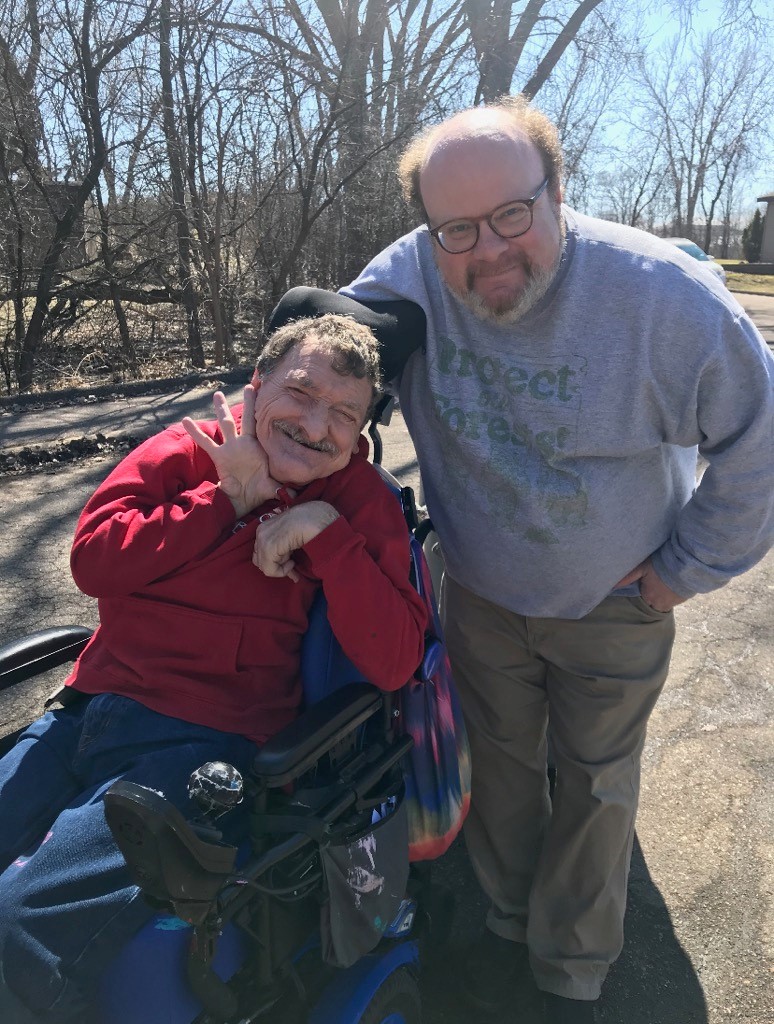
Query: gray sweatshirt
x,y
558,453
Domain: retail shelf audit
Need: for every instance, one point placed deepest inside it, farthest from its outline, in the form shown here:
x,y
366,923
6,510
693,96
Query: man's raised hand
x,y
240,461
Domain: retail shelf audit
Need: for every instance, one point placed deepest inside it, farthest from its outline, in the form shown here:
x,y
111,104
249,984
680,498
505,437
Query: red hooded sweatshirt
x,y
191,628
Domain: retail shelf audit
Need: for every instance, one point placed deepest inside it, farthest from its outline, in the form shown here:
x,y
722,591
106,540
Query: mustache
x,y
298,435
508,262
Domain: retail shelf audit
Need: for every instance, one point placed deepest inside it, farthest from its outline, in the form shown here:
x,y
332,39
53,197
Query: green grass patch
x,y
756,284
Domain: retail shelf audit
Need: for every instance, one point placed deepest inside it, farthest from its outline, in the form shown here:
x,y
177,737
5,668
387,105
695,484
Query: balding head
x,y
511,118
476,175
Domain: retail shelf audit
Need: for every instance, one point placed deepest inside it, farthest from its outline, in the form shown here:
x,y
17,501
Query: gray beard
x,y
538,283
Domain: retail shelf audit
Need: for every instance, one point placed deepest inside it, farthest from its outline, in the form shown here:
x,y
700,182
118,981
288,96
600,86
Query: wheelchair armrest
x,y
317,730
37,653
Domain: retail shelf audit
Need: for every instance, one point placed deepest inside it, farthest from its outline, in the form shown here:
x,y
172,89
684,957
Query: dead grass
x,y
87,352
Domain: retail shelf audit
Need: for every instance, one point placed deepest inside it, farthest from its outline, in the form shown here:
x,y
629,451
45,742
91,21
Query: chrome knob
x,y
215,788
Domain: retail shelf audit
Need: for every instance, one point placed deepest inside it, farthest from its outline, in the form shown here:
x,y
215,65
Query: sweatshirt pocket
x,y
158,644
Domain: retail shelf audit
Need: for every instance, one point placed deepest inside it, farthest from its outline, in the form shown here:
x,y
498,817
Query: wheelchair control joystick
x,y
215,788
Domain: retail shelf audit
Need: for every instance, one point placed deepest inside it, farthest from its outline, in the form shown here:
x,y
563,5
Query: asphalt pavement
x,y
700,926
761,309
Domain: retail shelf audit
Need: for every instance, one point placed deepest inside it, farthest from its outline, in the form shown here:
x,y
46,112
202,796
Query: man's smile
x,y
500,269
297,435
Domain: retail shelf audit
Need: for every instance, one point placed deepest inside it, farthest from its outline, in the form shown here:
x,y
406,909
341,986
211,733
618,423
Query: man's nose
x,y
490,246
315,421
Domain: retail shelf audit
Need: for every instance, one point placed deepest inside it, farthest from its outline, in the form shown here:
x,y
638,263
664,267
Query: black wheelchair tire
x,y
396,1001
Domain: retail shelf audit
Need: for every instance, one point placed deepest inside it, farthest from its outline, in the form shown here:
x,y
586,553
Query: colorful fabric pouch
x,y
437,768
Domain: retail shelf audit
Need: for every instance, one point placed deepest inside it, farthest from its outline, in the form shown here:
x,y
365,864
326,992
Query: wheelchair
x,y
316,916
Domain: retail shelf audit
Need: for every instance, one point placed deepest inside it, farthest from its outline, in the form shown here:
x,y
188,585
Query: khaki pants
x,y
556,872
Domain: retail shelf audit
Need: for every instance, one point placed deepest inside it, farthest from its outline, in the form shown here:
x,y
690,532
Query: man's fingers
x,y
289,569
196,433
274,547
277,539
248,412
223,413
276,568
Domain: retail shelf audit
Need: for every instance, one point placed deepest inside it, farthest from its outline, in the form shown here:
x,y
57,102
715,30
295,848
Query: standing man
x,y
571,371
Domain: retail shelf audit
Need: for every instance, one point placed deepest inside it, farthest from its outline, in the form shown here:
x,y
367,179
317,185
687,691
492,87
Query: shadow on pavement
x,y
653,982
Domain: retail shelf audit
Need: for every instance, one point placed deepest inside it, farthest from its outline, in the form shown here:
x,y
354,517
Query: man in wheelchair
x,y
206,547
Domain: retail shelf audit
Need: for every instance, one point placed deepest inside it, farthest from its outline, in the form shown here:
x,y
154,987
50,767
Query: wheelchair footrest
x,y
165,857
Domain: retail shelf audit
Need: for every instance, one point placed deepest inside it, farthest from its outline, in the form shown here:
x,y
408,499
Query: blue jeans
x,y
69,905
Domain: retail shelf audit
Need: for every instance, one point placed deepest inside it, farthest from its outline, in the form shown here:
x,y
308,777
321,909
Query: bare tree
x,y
708,100
94,39
579,97
172,166
629,193
525,43
176,158
20,139
374,67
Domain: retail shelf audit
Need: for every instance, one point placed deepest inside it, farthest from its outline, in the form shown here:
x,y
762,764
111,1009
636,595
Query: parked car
x,y
698,254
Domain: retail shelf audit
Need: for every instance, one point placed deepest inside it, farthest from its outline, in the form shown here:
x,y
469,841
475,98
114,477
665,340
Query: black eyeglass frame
x,y
476,221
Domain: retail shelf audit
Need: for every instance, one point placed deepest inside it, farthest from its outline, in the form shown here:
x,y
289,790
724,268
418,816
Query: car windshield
x,y
693,250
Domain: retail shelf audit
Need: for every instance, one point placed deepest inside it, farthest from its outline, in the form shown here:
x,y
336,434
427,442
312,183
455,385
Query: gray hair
x,y
352,348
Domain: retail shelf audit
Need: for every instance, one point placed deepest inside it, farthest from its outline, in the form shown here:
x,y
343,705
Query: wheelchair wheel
x,y
396,1001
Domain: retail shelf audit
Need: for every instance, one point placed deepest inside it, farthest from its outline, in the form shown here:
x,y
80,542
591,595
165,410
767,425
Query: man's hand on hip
x,y
277,538
240,461
653,590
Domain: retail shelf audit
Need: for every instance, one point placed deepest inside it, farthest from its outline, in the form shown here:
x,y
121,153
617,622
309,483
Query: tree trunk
x,y
64,229
190,298
128,350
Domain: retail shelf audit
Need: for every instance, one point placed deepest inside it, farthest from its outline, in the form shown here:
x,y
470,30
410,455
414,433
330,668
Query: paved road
x,y
761,309
700,926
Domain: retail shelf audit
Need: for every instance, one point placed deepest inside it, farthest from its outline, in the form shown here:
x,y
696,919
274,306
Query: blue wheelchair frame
x,y
190,971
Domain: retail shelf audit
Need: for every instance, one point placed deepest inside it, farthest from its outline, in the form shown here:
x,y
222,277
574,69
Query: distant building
x,y
767,244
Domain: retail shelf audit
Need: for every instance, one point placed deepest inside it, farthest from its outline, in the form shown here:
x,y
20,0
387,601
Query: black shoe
x,y
493,971
561,1010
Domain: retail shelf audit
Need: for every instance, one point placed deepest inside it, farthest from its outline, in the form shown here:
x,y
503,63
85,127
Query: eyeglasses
x,y
508,221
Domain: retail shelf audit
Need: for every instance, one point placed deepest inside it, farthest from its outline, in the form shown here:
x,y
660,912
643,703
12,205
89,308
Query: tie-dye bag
x,y
437,768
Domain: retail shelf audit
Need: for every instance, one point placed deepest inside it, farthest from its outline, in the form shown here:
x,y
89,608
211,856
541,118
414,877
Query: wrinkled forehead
x,y
307,354
307,351
313,364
